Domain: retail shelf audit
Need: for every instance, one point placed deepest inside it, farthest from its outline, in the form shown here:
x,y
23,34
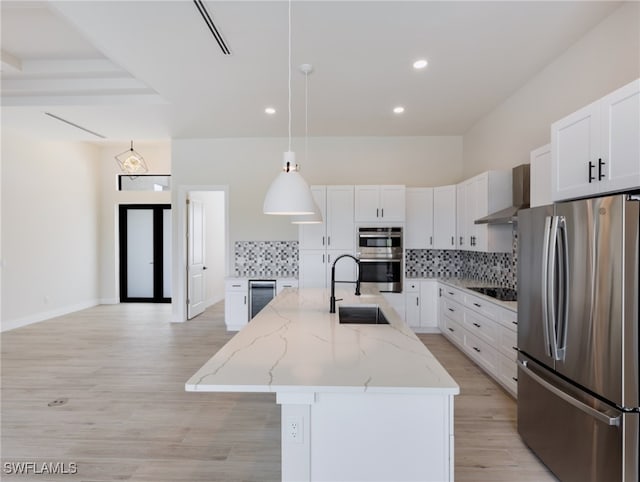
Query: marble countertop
x,y
295,345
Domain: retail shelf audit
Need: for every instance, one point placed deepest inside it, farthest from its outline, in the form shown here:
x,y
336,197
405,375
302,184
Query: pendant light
x,y
316,217
289,194
131,162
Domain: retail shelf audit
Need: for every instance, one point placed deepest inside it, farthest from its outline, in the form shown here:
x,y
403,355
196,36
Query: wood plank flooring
x,y
120,372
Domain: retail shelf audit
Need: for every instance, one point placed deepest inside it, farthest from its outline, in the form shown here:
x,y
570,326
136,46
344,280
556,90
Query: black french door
x,y
145,253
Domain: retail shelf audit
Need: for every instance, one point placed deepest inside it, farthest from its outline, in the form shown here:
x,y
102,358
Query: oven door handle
x,y
378,260
381,236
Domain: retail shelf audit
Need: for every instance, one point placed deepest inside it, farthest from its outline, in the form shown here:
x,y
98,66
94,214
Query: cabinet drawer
x,y
236,285
509,319
452,310
508,343
482,352
452,293
454,331
482,327
482,306
508,373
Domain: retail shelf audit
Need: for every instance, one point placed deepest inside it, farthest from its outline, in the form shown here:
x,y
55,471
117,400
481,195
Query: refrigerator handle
x,y
545,284
563,292
552,305
602,417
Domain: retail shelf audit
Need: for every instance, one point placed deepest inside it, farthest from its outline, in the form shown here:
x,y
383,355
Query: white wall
x,y
244,168
158,158
49,228
604,59
215,243
248,166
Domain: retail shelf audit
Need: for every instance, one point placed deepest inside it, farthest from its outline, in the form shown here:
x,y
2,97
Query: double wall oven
x,y
380,255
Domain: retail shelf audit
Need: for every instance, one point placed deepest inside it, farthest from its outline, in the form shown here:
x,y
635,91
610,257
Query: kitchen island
x,y
359,402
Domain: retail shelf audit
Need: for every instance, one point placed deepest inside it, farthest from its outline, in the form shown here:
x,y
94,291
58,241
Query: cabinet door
x,y
461,219
412,309
429,304
312,269
469,215
392,203
480,199
367,203
236,310
313,236
444,217
340,213
418,232
575,143
619,161
540,176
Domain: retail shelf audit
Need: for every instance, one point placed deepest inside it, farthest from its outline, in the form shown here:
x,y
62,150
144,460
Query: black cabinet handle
x,y
478,305
417,301
515,379
477,325
600,166
451,330
430,240
377,213
515,322
461,240
451,310
382,213
245,300
453,241
322,240
515,348
476,349
451,293
591,166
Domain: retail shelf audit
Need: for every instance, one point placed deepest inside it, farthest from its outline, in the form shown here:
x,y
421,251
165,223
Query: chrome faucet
x,y
332,300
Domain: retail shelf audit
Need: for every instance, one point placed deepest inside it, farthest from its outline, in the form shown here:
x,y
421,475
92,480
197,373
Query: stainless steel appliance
x,y
261,292
578,337
520,195
380,255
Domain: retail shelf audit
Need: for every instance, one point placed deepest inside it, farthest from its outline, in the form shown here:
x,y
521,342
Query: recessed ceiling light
x,y
398,110
270,110
420,64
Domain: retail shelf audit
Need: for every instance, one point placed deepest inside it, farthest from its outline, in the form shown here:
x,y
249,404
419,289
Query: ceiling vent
x,y
212,27
74,125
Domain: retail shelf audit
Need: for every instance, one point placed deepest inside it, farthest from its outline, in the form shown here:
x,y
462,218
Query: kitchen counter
x,y
367,402
466,283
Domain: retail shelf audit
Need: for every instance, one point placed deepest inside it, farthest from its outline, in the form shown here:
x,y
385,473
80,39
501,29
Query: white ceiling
x,y
152,70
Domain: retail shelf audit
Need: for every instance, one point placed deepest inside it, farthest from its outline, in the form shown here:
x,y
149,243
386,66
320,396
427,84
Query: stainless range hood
x,y
520,186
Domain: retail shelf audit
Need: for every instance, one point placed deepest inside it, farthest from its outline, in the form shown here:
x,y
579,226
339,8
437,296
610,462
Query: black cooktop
x,y
502,294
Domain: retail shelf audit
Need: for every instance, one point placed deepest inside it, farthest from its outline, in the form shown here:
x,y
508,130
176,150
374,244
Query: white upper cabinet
x,y
380,204
337,229
444,217
597,149
418,233
321,243
540,176
476,198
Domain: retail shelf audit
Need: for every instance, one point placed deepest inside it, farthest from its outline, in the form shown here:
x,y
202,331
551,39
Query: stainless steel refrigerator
x,y
578,337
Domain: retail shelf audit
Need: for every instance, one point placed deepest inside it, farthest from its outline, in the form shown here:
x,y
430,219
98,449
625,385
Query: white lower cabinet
x,y
421,305
484,331
236,304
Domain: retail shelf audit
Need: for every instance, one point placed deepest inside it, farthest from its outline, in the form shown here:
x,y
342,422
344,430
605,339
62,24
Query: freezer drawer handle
x,y
569,399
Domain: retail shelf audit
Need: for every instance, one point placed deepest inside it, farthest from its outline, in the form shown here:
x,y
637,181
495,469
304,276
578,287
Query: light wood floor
x,y
120,371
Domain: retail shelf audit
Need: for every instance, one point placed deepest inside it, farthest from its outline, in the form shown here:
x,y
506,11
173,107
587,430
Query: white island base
x,y
359,402
366,437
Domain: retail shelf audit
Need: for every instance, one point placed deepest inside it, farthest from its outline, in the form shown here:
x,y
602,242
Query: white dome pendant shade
x,y
315,218
289,193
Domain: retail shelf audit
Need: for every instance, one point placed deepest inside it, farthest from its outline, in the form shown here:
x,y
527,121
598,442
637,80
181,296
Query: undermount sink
x,y
362,314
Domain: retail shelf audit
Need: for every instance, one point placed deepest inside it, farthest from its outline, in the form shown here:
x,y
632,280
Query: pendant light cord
x,y
289,75
306,116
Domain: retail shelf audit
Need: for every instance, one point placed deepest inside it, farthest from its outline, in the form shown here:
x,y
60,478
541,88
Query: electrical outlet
x,y
293,430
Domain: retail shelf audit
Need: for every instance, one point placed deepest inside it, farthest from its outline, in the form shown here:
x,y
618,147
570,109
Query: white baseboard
x,y
46,315
426,330
109,301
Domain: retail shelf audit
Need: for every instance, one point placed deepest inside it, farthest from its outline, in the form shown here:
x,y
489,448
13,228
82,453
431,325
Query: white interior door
x,y
196,258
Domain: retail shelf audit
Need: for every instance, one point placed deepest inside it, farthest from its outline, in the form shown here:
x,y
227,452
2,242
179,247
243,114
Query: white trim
x,y
46,315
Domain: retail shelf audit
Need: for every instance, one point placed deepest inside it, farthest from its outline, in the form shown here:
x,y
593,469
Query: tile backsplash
x,y
266,259
495,268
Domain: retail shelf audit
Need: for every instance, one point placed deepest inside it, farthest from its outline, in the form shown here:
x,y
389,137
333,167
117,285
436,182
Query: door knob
x,y
204,267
